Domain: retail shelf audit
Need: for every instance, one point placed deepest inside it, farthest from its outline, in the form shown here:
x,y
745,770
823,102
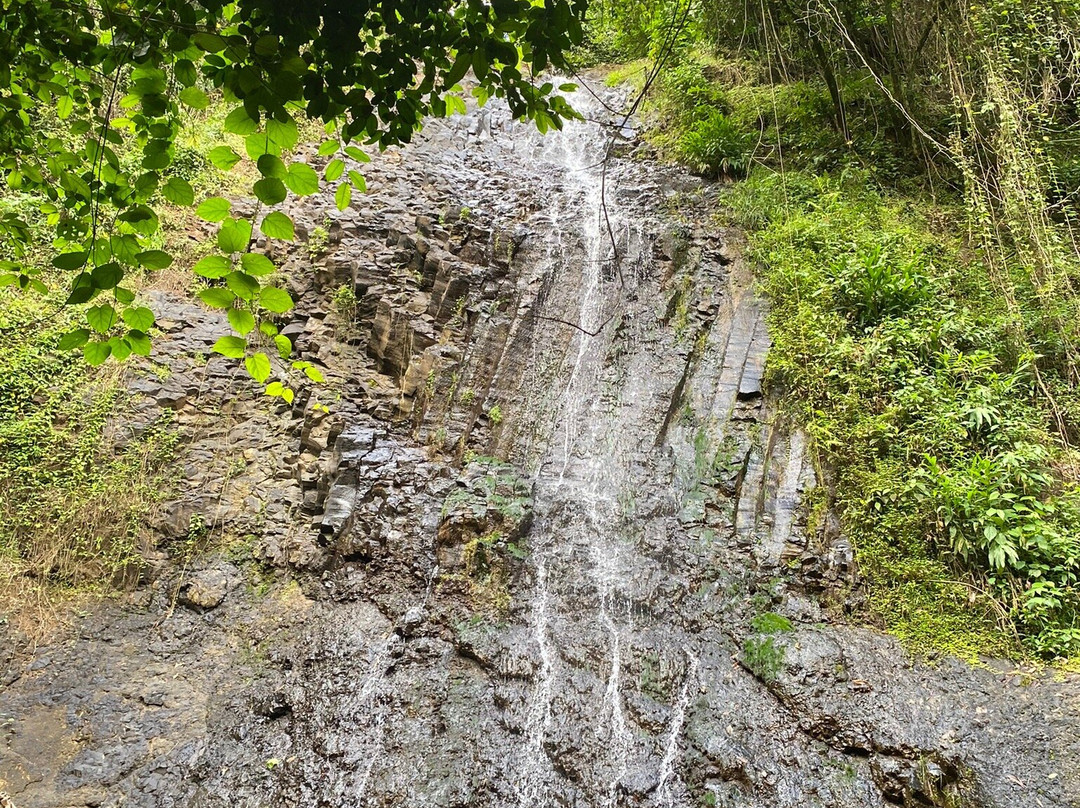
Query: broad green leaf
x,y
270,190
124,296
283,134
455,105
314,374
270,165
234,235
302,179
283,345
121,349
232,347
275,300
217,297
139,318
328,147
258,366
268,328
242,321
358,180
334,169
238,122
343,196
82,289
223,157
107,275
64,105
72,260
256,264
194,98
73,339
211,43
214,209
359,155
278,225
155,259
139,342
185,72
288,395
242,284
213,266
101,318
178,191
258,144
274,388
96,352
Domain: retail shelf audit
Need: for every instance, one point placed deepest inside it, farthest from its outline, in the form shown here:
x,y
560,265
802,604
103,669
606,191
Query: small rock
x,y
206,590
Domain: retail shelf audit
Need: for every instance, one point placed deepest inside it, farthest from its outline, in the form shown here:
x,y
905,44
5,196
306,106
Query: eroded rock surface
x,y
520,560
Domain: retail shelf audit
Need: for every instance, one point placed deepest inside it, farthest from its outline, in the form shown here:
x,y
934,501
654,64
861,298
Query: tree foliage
x,y
91,103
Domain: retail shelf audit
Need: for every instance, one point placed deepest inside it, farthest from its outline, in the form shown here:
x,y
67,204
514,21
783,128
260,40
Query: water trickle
x,y
675,729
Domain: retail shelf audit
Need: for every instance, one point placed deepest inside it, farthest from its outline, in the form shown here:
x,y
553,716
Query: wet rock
x,y
205,590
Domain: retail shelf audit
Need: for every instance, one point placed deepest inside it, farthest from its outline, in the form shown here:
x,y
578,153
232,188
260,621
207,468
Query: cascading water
x,y
585,648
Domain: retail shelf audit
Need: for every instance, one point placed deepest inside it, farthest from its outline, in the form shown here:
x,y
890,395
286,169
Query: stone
x,y
204,590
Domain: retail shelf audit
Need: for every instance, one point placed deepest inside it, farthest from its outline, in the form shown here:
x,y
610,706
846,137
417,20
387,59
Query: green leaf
x,y
358,155
283,134
314,374
121,350
214,209
274,389
275,300
258,144
194,98
124,296
242,284
232,347
107,275
278,225
178,191
268,328
238,122
64,105
270,165
154,259
270,190
256,264
358,180
328,147
334,169
82,289
213,266
96,353
185,72
139,342
139,318
302,179
343,196
217,297
283,345
73,339
288,395
234,235
241,321
223,158
101,318
72,260
258,366
211,43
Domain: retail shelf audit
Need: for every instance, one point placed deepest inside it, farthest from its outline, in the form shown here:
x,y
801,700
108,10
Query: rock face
x,y
545,549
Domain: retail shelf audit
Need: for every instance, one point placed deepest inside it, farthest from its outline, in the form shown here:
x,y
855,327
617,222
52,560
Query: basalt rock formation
x,y
544,546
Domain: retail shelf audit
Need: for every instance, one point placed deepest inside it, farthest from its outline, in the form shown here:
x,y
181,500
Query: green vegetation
x,y
909,196
93,98
761,654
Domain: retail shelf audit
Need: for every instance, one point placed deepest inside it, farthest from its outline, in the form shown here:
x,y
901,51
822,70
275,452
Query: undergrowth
x,y
923,335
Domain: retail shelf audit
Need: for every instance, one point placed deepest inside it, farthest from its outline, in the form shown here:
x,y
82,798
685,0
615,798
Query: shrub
x,y
715,145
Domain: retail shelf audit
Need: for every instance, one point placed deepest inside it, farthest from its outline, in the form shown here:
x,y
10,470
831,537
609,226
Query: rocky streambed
x,y
544,545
